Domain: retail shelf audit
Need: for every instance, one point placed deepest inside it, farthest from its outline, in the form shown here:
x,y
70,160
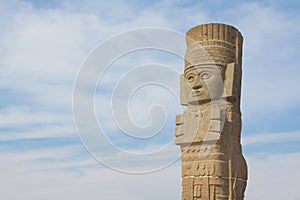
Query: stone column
x,y
209,130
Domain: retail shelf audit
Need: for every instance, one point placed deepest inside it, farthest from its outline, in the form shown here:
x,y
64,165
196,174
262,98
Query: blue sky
x,y
43,45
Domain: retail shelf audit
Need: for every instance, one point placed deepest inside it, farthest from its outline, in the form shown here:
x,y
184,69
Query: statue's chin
x,y
199,101
203,100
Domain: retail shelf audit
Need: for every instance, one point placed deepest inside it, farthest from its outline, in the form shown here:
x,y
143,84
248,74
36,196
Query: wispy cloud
x,y
270,138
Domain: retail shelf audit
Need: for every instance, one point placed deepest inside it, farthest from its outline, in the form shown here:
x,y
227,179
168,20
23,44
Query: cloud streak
x,y
271,138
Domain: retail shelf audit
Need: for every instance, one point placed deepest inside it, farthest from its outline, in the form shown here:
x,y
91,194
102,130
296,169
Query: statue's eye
x,y
205,75
190,78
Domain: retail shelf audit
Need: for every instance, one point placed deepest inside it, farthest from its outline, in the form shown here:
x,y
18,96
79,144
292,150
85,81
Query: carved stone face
x,y
205,84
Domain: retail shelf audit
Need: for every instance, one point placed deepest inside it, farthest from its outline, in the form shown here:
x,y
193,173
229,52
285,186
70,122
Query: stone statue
x,y
208,132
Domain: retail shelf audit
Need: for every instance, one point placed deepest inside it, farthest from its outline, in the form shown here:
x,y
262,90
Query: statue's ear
x,y
184,91
232,82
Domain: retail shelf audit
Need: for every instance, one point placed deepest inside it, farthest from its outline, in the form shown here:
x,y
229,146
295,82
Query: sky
x,y
52,109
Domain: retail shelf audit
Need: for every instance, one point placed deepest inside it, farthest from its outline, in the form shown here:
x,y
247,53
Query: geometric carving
x,y
208,131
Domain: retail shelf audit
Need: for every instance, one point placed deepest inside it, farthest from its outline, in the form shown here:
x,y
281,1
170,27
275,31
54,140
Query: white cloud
x,y
275,177
67,172
47,46
271,138
22,122
95,184
269,69
23,115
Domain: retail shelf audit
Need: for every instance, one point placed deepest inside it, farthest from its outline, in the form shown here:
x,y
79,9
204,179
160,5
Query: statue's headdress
x,y
213,44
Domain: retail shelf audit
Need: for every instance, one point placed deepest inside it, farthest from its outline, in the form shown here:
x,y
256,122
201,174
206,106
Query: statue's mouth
x,y
196,93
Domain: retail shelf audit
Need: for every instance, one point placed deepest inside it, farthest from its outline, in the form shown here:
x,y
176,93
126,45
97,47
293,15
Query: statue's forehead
x,y
201,68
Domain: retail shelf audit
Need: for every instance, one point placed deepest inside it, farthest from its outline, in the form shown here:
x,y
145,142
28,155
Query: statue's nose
x,y
197,83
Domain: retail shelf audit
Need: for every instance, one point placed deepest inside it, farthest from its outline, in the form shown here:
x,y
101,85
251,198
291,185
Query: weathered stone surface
x,y
208,132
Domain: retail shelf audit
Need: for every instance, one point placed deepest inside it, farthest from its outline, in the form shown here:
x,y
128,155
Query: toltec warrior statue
x,y
209,130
